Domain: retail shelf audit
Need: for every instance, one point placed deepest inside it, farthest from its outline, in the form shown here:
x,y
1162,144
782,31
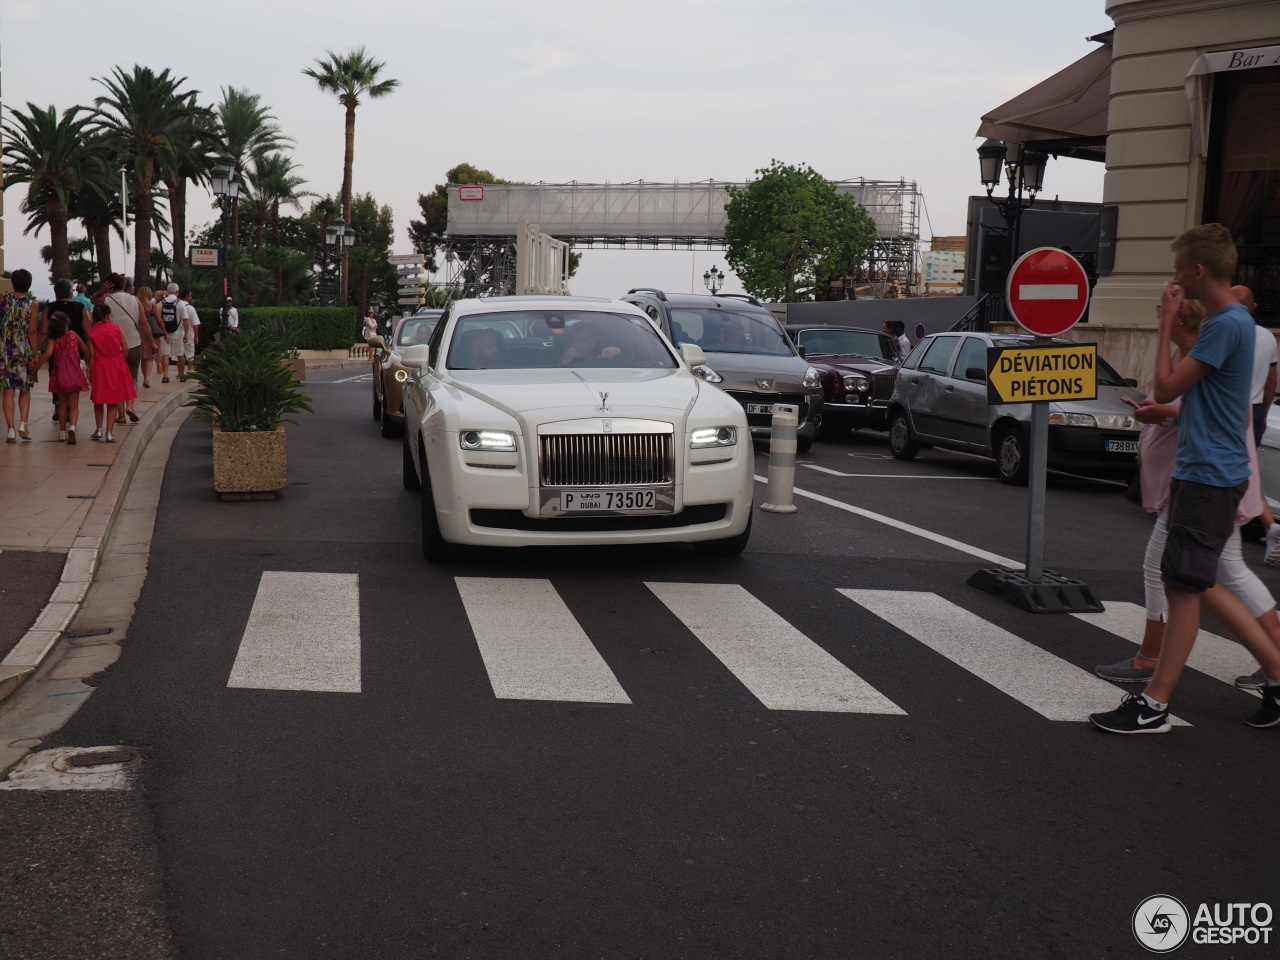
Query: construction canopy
x,y
583,212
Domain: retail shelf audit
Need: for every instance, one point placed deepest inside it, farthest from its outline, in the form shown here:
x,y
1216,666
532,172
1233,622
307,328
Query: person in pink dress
x,y
112,385
66,379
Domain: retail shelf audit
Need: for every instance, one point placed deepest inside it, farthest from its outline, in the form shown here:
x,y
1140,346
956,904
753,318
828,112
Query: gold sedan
x,y
389,373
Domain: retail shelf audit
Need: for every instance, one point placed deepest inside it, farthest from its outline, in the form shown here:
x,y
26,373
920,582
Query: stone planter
x,y
249,466
297,367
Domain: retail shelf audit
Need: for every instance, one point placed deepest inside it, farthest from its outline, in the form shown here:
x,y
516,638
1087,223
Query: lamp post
x,y
1025,173
225,183
342,238
713,280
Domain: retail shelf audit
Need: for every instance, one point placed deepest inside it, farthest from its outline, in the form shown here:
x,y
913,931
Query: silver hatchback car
x,y
940,399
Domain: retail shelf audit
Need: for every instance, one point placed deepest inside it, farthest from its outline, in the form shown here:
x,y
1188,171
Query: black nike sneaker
x,y
1268,714
1134,715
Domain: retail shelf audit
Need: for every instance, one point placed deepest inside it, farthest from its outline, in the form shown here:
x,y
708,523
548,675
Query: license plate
x,y
760,408
1122,446
585,501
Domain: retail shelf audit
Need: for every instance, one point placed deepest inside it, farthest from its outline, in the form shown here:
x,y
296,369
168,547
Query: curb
x,y
82,559
319,366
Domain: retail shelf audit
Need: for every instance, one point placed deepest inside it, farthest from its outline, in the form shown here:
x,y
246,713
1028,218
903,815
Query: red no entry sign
x,y
1048,291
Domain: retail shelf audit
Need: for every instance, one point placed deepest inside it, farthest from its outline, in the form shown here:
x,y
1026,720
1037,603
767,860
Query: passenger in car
x,y
584,345
478,350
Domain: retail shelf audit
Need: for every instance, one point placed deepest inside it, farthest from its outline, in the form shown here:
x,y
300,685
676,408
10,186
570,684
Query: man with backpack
x,y
173,317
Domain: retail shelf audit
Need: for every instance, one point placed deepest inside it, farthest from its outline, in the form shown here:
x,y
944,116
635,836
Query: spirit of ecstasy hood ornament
x,y
604,396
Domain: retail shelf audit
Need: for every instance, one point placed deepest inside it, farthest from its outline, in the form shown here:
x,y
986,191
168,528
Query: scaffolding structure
x,y
480,239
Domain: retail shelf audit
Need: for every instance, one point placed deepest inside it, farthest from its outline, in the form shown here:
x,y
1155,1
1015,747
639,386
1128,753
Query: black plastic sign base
x,y
1050,594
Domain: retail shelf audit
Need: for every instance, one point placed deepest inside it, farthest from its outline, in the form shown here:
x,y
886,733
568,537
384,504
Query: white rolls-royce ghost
x,y
573,421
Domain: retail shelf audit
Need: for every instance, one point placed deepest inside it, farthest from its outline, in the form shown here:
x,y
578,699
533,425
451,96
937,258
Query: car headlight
x,y
1073,419
1118,421
491,441
811,378
713,437
857,384
703,372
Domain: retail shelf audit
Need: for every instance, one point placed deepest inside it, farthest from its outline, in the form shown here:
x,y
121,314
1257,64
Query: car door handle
x,y
915,379
949,389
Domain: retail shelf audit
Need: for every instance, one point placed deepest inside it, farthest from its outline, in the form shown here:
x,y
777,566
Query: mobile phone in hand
x,y
1131,402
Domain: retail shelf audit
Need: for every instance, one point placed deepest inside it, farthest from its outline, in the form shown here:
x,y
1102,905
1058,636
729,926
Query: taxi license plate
x,y
1122,446
760,408
606,500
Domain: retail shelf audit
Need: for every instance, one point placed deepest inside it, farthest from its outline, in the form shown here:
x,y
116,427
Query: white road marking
x,y
888,476
775,661
909,528
303,634
532,647
364,376
1047,684
1212,655
1048,291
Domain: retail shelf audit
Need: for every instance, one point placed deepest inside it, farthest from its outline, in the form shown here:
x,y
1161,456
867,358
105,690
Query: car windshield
x,y
415,330
726,331
843,343
544,339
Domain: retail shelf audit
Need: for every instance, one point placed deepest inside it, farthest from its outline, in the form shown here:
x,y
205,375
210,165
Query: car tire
x,y
803,445
729,546
435,547
389,427
409,472
377,406
1013,459
902,443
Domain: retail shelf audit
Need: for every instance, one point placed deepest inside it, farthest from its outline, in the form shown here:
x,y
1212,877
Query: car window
x,y
415,330
437,335
938,359
913,358
837,343
972,354
728,331
552,338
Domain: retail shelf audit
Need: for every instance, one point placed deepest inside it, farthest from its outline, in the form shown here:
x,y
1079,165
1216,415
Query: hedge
x,y
310,328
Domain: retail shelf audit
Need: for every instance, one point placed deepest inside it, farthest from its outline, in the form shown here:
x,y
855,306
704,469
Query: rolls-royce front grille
x,y
882,385
606,460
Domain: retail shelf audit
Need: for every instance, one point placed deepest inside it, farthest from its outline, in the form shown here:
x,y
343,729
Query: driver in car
x,y
584,345
480,351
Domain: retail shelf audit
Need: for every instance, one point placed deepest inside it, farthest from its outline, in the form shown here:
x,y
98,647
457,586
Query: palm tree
x,y
272,182
148,114
350,76
52,155
248,129
190,159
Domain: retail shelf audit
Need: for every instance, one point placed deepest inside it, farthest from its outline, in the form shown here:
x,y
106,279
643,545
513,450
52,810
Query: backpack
x,y
169,314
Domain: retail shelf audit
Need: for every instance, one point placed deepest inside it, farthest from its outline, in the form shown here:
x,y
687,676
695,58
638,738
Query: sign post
x,y
1047,294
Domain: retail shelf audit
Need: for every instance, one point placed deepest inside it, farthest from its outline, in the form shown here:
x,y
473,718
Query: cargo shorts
x,y
1201,520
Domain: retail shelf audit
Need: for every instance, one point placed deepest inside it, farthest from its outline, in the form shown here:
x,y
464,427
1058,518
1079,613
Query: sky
x,y
587,91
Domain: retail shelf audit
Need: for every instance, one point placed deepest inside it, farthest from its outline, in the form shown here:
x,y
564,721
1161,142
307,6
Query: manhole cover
x,y
87,632
100,758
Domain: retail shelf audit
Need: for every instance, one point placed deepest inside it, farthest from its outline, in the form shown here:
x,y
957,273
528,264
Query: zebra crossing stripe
x,y
1212,655
782,667
532,647
303,634
1034,677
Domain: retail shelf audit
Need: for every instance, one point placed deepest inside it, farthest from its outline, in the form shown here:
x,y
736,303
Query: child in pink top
x,y
66,379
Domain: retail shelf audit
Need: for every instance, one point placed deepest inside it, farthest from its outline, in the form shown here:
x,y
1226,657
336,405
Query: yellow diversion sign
x,y
1039,374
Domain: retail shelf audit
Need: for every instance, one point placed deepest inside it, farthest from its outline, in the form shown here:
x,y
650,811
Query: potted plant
x,y
247,394
292,359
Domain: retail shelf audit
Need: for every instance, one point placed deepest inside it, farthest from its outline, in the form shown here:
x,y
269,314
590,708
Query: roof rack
x,y
741,296
661,295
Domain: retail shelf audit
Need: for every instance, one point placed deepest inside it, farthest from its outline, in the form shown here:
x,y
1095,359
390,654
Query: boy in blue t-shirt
x,y
1209,480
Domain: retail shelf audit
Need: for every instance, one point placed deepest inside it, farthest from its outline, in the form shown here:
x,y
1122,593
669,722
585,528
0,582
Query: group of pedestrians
x,y
118,334
1199,475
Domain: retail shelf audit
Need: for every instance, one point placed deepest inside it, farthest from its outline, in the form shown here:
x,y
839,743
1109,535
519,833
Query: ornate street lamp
x,y
1025,174
335,236
225,183
713,280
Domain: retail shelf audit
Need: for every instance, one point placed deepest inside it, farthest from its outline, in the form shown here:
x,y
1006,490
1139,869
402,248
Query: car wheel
x,y
434,546
1012,456
803,445
377,405
409,472
902,444
729,546
389,427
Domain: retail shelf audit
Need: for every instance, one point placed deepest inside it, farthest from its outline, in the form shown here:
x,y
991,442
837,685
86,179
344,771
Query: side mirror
x,y
1131,381
377,342
418,355
800,349
975,373
692,354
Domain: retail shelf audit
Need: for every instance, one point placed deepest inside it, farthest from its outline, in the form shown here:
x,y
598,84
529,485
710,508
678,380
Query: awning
x,y
1065,115
1197,83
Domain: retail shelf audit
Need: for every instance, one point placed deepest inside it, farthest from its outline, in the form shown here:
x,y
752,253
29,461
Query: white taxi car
x,y
573,421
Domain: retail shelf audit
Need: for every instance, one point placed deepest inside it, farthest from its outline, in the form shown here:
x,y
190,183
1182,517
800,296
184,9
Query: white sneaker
x,y
62,434
1272,557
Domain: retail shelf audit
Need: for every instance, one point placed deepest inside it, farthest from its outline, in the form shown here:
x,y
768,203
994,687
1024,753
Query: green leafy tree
x,y
788,232
247,129
52,155
191,158
147,114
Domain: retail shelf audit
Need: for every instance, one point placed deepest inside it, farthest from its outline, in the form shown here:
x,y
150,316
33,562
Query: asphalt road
x,y
425,816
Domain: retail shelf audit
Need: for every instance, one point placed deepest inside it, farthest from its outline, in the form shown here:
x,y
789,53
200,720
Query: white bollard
x,y
782,459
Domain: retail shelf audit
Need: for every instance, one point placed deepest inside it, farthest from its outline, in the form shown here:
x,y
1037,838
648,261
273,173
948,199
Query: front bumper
x,y
873,414
1084,449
